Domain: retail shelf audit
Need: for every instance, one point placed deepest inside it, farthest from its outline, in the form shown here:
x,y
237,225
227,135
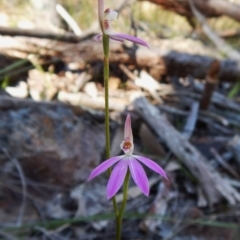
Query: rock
x,y
51,142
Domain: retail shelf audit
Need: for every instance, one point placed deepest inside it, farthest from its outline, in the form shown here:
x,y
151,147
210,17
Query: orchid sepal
x,y
105,19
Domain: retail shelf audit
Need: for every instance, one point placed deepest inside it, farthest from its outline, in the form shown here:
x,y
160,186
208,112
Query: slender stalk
x,y
107,125
106,77
121,211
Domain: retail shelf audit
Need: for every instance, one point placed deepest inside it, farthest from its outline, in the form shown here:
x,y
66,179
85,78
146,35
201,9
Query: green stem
x,y
107,125
121,211
106,77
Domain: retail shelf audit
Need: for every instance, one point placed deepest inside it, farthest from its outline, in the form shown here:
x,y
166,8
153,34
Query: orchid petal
x,y
139,176
101,13
131,39
128,129
152,165
104,166
98,37
117,177
116,38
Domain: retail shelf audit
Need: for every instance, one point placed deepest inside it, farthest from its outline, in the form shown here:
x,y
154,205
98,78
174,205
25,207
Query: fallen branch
x,y
211,182
161,61
69,20
66,37
84,100
210,8
219,42
7,103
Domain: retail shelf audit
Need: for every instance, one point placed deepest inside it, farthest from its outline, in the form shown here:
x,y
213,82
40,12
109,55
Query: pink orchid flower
x,y
105,19
125,162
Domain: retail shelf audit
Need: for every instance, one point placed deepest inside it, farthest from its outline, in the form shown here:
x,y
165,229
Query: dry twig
x,y
210,8
67,37
210,180
24,186
220,43
69,20
191,121
224,163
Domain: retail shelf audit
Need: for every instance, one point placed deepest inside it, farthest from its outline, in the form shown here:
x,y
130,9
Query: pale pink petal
x,y
131,39
104,166
116,38
101,13
139,176
98,37
128,129
117,177
151,164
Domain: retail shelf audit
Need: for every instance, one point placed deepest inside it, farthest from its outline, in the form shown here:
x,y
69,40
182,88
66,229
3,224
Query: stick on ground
x,y
211,182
